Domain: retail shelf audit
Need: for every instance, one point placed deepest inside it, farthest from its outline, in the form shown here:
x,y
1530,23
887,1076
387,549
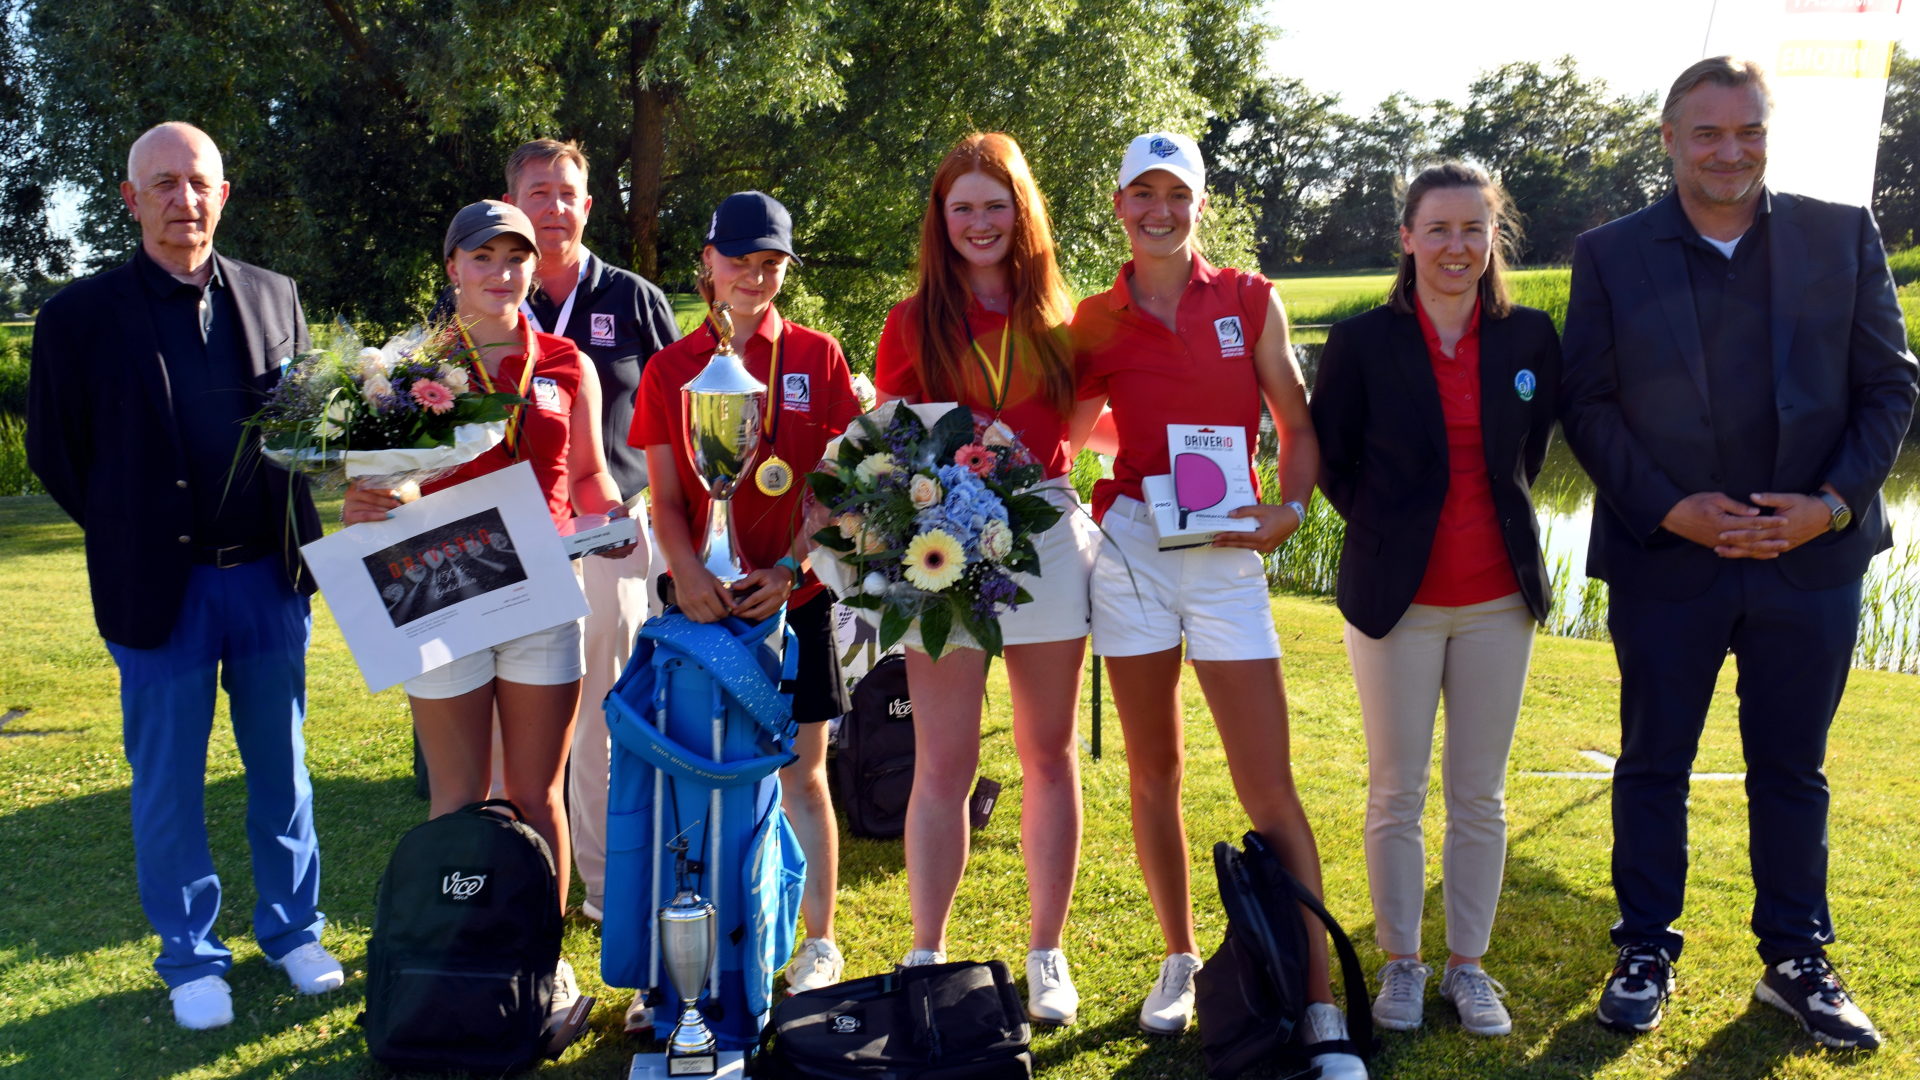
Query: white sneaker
x,y
639,1020
817,964
206,1002
923,957
566,989
1327,1024
1401,1005
1051,998
311,969
1168,1009
591,912
1477,995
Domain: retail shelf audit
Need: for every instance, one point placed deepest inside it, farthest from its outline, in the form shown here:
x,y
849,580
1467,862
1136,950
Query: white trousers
x,y
617,591
1476,656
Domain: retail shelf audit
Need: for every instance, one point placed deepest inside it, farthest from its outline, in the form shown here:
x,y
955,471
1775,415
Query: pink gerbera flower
x,y
976,458
432,396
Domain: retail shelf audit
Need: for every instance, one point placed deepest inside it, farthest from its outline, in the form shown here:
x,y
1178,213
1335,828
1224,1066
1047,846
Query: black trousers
x,y
1793,649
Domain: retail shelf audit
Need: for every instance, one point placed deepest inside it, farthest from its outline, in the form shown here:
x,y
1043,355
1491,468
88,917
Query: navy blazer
x,y
102,435
1636,410
1384,462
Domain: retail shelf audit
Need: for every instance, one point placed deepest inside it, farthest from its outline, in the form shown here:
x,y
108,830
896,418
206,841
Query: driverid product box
x,y
1210,480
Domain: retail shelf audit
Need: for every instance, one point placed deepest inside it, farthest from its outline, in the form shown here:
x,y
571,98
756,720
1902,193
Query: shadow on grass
x,y
69,888
1755,1043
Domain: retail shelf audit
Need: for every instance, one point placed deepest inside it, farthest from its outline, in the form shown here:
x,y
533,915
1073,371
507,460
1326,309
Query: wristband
x,y
791,565
1299,510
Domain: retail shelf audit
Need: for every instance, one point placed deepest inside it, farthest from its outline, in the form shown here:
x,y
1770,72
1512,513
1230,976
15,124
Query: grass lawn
x,y
78,999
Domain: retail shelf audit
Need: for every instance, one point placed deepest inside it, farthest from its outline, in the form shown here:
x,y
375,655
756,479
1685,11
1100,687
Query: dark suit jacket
x,y
1636,388
1384,460
102,435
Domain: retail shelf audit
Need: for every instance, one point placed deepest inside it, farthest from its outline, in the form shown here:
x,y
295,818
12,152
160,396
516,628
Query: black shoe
x,y
1640,984
1809,990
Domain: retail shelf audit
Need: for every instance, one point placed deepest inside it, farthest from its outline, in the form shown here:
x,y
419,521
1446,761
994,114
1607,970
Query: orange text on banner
x,y
1835,59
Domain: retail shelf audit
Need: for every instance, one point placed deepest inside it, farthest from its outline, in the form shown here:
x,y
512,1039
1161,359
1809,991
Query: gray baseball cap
x,y
477,223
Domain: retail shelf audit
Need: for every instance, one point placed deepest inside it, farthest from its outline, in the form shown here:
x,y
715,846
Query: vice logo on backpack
x,y
466,935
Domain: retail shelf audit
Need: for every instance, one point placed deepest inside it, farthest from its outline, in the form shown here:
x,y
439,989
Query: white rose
x,y
455,376
874,584
874,466
375,388
924,491
996,540
850,525
372,362
333,420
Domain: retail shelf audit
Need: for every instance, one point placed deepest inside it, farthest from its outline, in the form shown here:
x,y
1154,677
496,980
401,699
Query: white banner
x,y
1826,61
450,574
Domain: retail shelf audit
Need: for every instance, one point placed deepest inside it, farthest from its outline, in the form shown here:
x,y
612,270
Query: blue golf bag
x,y
700,731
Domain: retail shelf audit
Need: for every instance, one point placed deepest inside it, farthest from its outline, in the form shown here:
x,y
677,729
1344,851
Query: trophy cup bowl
x,y
722,409
688,942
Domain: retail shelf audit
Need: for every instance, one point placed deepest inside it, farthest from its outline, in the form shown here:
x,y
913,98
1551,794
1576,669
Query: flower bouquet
x,y
392,415
933,513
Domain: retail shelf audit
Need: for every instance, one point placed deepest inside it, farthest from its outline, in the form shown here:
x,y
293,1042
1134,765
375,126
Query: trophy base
x,y
729,1063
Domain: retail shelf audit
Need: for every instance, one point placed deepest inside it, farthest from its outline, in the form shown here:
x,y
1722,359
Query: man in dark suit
x,y
1737,383
142,380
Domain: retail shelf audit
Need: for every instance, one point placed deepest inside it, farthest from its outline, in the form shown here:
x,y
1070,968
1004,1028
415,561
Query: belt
x,y
226,558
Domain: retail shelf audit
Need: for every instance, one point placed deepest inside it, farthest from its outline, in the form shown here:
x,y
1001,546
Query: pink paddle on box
x,y
1198,484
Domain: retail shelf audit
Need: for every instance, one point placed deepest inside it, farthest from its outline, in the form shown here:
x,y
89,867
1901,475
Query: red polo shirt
x,y
814,402
1469,563
1025,409
1201,373
544,427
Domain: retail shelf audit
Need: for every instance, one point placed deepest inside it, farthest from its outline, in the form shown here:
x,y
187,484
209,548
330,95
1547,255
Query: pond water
x,y
1890,609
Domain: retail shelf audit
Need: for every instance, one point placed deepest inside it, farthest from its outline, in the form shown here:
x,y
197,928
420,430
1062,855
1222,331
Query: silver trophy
x,y
688,943
722,409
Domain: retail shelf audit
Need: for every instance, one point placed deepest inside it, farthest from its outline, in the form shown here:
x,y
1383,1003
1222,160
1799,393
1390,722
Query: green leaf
x,y
831,539
935,624
987,633
893,625
827,487
952,431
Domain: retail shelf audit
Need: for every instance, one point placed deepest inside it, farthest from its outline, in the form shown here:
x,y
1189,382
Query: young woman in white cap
x,y
987,327
532,681
810,399
1178,341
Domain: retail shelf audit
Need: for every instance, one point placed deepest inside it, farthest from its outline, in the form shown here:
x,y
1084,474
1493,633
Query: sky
x,y
1364,50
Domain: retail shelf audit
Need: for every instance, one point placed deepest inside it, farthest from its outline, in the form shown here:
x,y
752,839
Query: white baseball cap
x,y
1169,150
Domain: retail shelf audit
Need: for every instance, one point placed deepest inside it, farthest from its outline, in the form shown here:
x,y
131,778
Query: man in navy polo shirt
x,y
619,319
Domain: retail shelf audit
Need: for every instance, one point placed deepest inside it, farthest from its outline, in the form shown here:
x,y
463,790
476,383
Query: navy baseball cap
x,y
750,221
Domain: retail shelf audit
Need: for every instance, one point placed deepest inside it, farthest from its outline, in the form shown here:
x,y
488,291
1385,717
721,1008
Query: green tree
x,y
1896,175
1276,152
1373,159
28,246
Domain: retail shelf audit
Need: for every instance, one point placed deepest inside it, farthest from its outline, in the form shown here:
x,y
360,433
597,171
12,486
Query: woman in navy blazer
x,y
1433,412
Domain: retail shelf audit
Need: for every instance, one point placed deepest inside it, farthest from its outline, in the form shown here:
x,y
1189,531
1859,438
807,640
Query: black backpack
x,y
466,933
1251,996
935,1022
873,767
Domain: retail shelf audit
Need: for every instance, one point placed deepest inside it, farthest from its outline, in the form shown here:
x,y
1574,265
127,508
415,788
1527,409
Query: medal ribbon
x,y
512,439
996,374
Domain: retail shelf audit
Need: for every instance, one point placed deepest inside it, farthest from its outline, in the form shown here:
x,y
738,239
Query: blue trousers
x,y
1793,648
246,626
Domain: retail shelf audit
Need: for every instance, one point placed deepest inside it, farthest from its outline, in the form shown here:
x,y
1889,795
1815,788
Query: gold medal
x,y
773,477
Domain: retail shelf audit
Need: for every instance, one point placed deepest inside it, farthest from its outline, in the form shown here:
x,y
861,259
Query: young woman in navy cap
x,y
810,399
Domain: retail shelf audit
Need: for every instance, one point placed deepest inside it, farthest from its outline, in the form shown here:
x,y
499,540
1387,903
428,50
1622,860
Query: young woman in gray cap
x,y
532,681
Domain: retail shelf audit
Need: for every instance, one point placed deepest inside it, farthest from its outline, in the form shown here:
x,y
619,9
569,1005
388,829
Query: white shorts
x,y
1216,597
1059,611
547,657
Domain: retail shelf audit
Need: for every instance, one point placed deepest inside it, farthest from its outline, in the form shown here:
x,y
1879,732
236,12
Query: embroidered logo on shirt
x,y
602,327
1524,383
1233,341
796,392
546,393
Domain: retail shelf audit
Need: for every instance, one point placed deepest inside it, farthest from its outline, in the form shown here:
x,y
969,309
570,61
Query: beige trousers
x,y
1475,656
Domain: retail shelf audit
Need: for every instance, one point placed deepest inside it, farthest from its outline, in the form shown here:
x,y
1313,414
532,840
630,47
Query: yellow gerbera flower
x,y
934,560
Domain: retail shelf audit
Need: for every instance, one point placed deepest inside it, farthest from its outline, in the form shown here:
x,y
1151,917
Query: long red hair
x,y
1038,301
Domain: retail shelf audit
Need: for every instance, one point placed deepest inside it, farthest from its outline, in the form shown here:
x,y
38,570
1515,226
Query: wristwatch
x,y
792,566
1842,513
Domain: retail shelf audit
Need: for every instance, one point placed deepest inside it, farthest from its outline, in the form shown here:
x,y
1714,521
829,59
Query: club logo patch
x,y
1162,147
843,1024
459,886
602,328
546,393
1524,384
796,391
1233,340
